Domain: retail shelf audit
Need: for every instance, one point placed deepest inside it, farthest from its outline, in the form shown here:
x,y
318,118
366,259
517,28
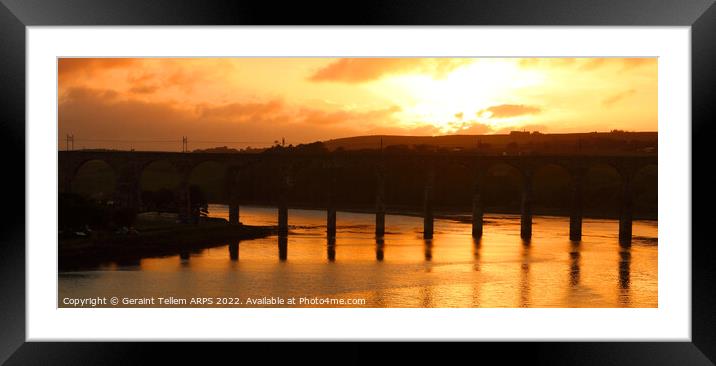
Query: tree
x,y
199,204
75,212
162,200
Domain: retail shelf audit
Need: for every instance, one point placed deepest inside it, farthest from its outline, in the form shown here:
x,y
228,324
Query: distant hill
x,y
607,142
216,150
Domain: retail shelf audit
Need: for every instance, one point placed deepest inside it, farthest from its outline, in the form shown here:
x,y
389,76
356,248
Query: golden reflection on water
x,y
401,269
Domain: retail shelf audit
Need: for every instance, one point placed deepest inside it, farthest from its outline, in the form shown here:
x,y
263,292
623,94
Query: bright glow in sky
x,y
255,101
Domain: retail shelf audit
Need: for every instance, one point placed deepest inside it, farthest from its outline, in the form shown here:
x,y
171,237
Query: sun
x,y
460,97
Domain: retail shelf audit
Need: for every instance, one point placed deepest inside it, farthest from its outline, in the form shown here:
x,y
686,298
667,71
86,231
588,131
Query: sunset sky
x,y
150,104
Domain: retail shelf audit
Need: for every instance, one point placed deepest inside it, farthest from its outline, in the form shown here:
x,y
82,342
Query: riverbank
x,y
160,240
451,213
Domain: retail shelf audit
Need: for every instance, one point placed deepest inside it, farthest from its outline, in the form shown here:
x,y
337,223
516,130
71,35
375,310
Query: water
x,y
403,271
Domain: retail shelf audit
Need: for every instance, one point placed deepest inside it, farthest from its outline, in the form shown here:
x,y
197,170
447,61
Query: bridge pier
x,y
575,217
477,212
380,211
428,225
184,201
380,220
428,212
282,219
64,181
526,216
283,209
234,213
233,195
331,209
625,215
331,222
127,192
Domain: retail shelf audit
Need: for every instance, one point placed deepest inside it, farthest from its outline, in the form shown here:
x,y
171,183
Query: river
x,y
401,271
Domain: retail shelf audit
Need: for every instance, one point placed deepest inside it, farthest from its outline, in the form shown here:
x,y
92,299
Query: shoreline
x,y
104,247
459,215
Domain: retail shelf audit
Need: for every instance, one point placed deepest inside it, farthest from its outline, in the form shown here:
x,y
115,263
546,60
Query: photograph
x,y
485,176
361,182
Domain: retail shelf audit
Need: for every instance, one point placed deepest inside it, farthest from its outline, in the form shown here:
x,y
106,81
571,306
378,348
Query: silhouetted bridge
x,y
129,166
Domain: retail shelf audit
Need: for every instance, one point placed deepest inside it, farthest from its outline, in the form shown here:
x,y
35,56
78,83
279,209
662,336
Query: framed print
x,y
494,173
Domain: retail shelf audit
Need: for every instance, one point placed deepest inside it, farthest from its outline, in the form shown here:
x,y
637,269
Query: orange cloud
x,y
358,70
86,67
143,89
592,64
634,62
608,102
509,110
98,116
81,94
242,111
473,128
586,63
321,117
420,130
556,61
313,99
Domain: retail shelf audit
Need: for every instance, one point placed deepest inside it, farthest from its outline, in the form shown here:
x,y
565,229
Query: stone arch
x,y
77,165
644,190
159,183
158,174
615,165
355,182
94,178
251,176
502,186
405,181
552,183
603,184
306,178
521,169
454,184
210,176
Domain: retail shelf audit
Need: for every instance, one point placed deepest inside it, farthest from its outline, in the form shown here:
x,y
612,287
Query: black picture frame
x,y
16,15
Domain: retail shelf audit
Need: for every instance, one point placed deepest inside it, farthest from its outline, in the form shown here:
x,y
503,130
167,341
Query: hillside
x,y
605,142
